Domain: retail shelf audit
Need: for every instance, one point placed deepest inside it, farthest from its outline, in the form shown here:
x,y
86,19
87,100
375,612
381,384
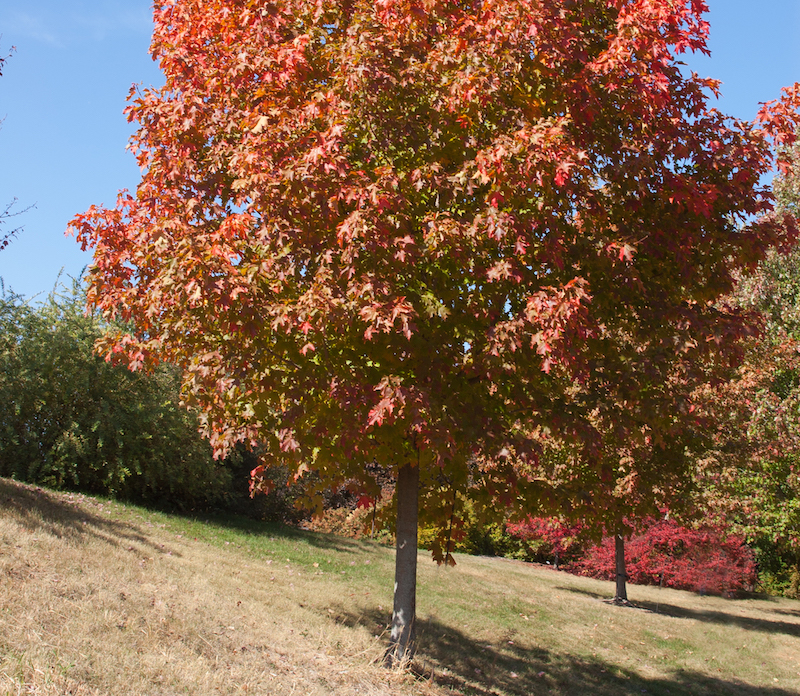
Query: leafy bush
x,y
353,523
72,420
355,515
491,539
704,559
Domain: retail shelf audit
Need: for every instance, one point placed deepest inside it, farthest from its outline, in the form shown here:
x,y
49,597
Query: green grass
x,y
102,598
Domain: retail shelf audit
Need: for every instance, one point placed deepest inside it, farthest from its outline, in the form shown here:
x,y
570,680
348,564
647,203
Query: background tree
x,y
404,231
616,480
751,470
705,558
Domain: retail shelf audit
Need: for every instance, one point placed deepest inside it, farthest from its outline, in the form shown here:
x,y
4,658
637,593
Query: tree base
x,y
620,602
398,658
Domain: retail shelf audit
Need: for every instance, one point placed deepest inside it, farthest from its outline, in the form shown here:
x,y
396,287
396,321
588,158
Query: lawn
x,y
97,597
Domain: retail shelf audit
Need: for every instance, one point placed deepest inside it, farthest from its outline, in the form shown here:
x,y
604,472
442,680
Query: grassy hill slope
x,y
101,598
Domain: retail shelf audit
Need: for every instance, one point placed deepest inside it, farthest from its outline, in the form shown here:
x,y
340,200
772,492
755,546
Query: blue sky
x,y
62,143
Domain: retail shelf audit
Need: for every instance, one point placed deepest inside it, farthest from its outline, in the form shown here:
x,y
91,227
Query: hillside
x,y
101,598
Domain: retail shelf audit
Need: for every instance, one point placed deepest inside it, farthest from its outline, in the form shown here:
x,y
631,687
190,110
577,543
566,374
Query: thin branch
x,y
5,216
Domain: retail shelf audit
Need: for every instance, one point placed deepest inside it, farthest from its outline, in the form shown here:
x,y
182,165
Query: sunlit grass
x,y
101,598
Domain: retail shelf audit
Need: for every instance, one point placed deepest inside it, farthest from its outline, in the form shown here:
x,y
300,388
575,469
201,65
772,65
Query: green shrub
x,y
72,420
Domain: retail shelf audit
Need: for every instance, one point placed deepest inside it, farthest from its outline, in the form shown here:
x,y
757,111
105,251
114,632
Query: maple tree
x,y
404,231
629,468
702,558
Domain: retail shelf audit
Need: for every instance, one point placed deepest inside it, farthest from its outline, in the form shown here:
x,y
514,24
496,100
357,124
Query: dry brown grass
x,y
100,598
94,602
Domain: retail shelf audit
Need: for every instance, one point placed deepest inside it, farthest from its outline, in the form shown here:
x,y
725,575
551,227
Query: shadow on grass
x,y
710,616
258,528
588,593
721,617
452,659
42,511
53,512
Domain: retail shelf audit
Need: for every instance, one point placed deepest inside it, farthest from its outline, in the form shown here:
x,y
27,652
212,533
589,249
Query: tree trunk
x,y
621,595
401,648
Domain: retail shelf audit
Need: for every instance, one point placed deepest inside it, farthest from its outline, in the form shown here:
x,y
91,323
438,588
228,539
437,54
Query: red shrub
x,y
701,560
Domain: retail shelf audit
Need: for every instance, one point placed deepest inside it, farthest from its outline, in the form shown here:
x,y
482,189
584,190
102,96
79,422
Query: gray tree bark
x,y
621,595
401,648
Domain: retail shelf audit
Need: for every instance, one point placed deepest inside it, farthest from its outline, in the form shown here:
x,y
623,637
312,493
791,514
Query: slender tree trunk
x,y
401,648
621,595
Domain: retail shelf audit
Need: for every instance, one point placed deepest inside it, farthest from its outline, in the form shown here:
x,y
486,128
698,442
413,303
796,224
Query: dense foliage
x,y
703,559
404,229
751,470
550,540
72,420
